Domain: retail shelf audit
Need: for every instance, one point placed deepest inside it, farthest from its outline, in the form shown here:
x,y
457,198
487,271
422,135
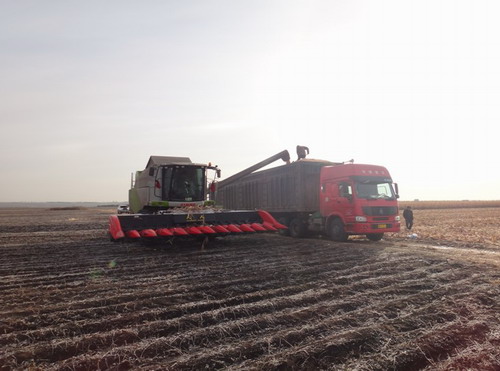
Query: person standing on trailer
x,y
408,215
302,151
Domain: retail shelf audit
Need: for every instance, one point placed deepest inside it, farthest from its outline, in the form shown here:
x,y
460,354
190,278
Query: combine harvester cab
x,y
170,198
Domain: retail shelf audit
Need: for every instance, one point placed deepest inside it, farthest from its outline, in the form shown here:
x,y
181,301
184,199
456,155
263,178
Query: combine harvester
x,y
172,197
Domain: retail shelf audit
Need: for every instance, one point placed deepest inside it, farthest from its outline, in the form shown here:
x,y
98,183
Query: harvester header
x,y
206,223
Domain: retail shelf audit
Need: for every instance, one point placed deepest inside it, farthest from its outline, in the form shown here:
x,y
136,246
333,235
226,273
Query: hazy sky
x,y
90,89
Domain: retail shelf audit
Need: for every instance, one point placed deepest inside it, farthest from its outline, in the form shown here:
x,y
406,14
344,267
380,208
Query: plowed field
x,y
72,300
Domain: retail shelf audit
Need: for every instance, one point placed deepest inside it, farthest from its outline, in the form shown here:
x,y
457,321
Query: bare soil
x,y
72,300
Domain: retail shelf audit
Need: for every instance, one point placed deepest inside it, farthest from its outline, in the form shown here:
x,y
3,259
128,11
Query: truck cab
x,y
358,199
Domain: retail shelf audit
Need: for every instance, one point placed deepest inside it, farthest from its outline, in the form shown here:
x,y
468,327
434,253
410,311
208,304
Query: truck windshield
x,y
374,190
183,183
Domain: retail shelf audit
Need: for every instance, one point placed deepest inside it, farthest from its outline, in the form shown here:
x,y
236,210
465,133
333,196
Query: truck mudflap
x,y
200,224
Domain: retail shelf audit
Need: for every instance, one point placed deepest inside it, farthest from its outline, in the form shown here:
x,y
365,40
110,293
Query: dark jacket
x,y
408,214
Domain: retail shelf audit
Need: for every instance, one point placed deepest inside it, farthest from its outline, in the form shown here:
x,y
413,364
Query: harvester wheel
x,y
297,228
375,236
337,231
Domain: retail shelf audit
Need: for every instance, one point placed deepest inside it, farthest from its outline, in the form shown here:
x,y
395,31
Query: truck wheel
x,y
337,232
297,228
375,236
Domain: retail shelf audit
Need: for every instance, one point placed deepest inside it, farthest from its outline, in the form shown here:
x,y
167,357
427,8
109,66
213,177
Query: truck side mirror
x,y
218,173
397,189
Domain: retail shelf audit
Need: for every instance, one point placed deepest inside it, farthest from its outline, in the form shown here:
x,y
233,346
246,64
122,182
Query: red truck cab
x,y
357,199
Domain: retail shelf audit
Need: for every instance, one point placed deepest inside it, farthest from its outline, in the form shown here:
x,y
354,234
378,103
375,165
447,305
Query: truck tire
x,y
375,236
337,231
297,228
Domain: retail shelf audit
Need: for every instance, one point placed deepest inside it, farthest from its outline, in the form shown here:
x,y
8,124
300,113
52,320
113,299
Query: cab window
x,y
345,190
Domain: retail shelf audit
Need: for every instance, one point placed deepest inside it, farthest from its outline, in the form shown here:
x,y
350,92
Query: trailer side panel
x,y
290,188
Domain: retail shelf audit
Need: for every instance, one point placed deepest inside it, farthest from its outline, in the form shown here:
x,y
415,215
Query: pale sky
x,y
90,89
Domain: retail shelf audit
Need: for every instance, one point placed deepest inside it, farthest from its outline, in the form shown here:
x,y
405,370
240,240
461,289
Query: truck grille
x,y
380,210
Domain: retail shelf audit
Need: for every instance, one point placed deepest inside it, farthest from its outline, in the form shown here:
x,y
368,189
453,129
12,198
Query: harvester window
x,y
167,182
186,184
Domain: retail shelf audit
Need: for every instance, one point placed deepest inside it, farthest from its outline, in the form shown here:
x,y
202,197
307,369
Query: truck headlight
x,y
397,218
361,219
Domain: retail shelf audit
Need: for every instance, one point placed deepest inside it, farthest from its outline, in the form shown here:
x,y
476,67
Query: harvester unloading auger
x,y
172,197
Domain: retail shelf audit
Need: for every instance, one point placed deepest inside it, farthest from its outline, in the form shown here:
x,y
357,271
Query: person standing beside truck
x,y
408,215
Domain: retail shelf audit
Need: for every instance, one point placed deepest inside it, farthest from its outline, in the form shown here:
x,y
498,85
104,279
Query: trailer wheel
x,y
375,236
337,231
297,228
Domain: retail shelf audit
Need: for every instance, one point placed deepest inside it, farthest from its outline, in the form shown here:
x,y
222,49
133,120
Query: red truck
x,y
336,199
